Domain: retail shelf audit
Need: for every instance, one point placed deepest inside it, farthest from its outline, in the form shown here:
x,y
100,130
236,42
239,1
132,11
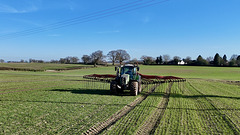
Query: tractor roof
x,y
129,65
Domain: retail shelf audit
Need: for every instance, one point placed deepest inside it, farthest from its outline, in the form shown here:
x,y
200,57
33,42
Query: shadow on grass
x,y
92,91
75,91
85,91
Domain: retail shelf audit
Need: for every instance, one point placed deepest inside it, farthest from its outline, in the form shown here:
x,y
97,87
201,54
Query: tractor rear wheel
x,y
113,88
134,88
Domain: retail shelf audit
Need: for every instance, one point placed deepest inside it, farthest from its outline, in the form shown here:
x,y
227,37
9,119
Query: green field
x,y
64,103
41,66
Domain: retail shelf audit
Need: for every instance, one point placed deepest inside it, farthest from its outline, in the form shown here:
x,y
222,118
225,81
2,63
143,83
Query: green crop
x,y
62,102
32,104
192,112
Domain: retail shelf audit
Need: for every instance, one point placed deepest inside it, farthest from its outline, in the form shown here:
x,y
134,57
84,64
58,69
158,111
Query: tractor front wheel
x,y
113,88
134,88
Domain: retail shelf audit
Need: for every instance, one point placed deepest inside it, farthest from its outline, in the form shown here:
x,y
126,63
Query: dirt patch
x,y
233,82
53,71
75,68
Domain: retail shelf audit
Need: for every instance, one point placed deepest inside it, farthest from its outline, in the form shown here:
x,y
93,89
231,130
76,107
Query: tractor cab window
x,y
127,70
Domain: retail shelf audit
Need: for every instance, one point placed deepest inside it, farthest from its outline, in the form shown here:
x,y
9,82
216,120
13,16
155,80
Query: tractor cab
x,y
127,69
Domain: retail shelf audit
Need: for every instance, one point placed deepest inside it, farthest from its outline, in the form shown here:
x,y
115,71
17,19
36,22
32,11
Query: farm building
x,y
182,62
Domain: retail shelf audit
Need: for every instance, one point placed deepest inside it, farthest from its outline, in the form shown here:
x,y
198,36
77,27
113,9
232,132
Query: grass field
x,y
64,103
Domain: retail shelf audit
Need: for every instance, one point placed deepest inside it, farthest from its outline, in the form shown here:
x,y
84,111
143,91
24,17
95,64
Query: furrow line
x,y
99,128
150,125
225,117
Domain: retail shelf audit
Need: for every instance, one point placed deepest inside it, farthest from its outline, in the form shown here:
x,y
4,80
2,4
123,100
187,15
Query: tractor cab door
x,y
118,71
134,71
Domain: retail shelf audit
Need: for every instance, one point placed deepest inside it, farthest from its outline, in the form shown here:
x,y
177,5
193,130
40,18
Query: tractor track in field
x,y
100,127
151,124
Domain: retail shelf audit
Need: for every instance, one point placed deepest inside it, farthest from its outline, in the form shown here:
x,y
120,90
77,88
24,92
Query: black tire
x,y
134,88
113,88
119,91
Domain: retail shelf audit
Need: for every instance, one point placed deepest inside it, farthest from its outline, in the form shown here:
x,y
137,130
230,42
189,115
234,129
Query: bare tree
x,y
233,60
74,59
97,57
54,61
176,59
69,60
135,61
112,55
1,61
147,60
209,59
234,57
35,61
188,60
86,59
166,58
22,61
62,61
122,55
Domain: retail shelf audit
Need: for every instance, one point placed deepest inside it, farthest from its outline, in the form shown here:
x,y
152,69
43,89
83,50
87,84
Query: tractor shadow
x,y
92,91
85,91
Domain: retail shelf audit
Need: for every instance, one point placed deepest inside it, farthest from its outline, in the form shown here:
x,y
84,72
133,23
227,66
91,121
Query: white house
x,y
182,62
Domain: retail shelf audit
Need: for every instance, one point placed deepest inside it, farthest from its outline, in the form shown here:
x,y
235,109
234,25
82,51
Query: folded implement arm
x,y
102,78
145,78
160,79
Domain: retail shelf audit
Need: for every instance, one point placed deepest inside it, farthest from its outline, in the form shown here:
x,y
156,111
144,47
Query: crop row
x,y
225,98
190,112
130,123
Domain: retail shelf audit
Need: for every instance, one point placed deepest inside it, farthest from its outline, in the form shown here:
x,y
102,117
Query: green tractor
x,y
127,79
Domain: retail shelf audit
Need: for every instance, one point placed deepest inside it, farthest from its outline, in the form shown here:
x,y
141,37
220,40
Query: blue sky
x,y
175,27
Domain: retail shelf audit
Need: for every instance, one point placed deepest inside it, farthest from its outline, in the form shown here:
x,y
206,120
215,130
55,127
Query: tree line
x,y
217,60
98,57
120,56
95,58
